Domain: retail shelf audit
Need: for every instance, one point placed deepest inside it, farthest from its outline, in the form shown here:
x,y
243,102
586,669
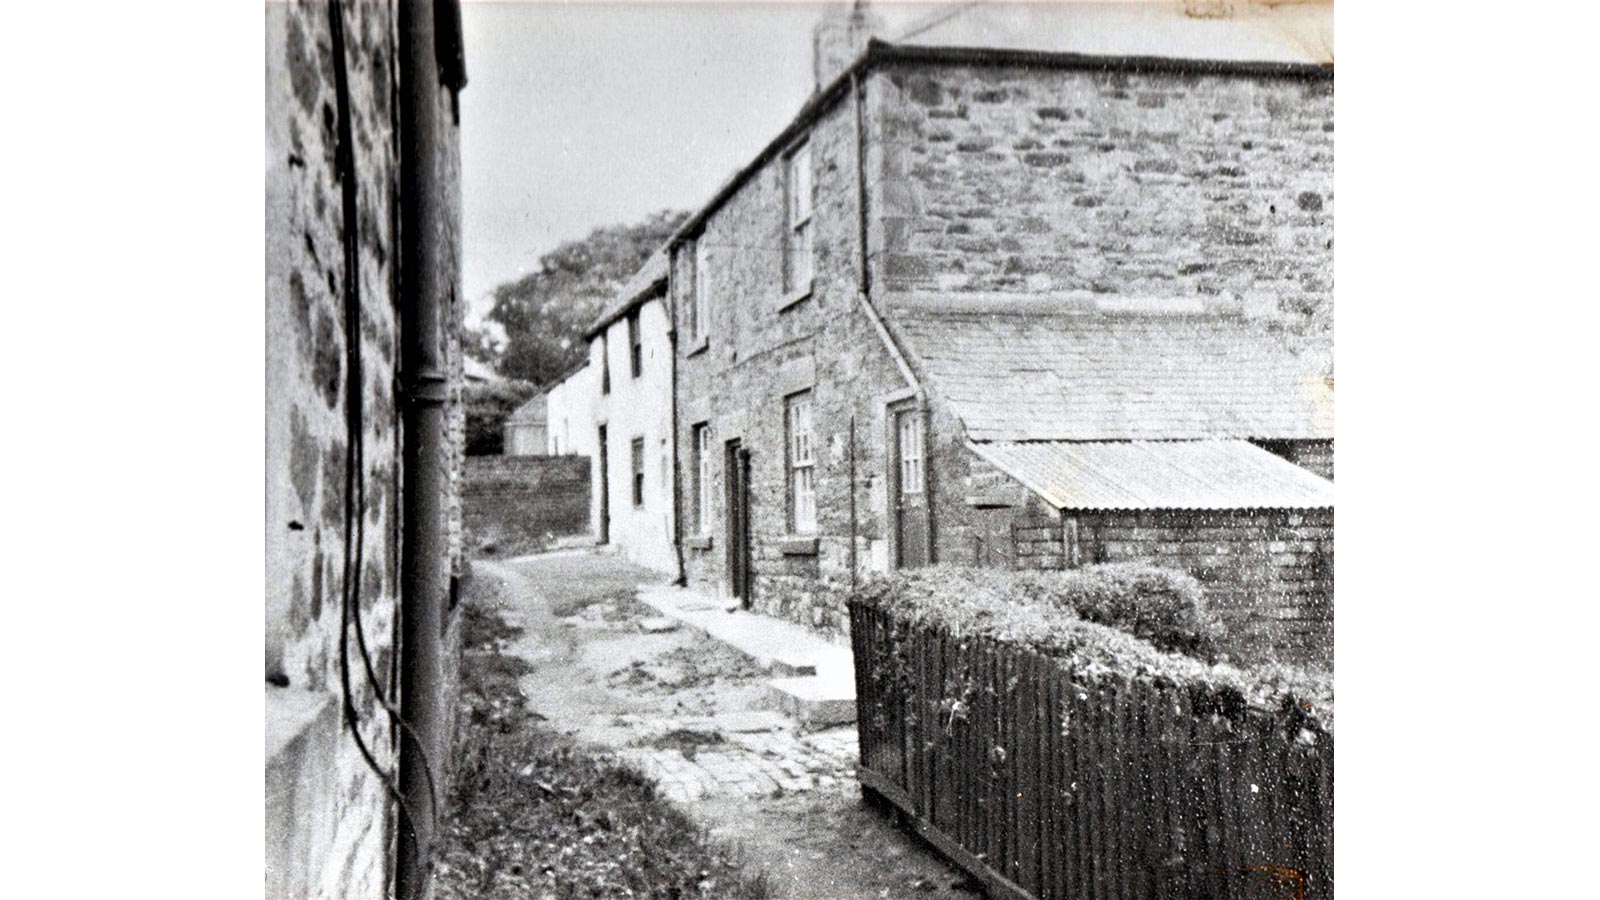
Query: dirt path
x,y
694,715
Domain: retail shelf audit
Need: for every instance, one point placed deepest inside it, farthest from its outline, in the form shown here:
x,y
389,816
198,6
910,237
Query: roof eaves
x,y
879,51
650,291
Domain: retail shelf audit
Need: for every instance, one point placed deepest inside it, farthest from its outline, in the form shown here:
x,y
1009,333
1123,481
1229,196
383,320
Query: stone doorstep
x,y
816,699
784,648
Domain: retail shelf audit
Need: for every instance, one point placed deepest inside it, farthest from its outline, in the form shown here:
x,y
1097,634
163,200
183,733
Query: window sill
x,y
698,543
797,296
798,546
698,348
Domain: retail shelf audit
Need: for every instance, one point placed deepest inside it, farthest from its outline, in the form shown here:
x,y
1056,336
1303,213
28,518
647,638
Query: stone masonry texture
x,y
1268,574
1036,184
527,497
759,352
334,838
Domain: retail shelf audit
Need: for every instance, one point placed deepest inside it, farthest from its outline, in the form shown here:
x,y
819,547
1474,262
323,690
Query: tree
x,y
544,314
488,406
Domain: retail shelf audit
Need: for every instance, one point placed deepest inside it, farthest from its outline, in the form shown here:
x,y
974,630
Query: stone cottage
x,y
617,410
1013,291
364,427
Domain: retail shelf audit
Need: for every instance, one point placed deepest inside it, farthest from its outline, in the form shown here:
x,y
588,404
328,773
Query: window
x,y
635,345
797,269
700,303
802,465
911,453
701,448
638,471
605,365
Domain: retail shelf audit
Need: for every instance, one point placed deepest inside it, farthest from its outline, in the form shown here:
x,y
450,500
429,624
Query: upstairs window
x,y
638,471
635,345
700,301
802,465
797,245
605,365
701,448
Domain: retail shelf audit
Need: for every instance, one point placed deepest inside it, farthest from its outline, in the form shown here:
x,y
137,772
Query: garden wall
x,y
524,501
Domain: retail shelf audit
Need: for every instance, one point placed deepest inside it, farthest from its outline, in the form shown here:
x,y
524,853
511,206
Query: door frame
x,y
736,520
602,457
891,419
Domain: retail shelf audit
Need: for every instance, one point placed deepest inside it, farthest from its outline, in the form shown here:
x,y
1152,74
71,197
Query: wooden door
x,y
908,481
604,529
736,462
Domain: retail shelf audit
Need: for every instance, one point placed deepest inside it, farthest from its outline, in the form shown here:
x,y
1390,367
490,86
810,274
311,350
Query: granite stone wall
x,y
332,443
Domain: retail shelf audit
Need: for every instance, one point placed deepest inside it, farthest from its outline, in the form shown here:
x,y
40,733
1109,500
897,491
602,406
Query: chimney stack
x,y
839,39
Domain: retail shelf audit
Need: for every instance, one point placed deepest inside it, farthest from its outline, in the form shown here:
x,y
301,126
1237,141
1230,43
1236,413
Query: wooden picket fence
x,y
1047,783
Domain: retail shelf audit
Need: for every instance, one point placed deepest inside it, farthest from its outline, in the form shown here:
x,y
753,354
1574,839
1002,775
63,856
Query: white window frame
x,y
700,307
801,428
912,474
799,178
703,456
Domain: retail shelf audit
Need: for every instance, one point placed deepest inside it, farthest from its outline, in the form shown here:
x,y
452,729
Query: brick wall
x,y
1267,573
329,825
1069,181
525,499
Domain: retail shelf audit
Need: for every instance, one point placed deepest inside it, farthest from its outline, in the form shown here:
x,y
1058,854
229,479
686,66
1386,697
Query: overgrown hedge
x,y
1072,615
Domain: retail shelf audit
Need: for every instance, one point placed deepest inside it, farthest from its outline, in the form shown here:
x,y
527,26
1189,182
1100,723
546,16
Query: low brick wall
x,y
522,501
1267,573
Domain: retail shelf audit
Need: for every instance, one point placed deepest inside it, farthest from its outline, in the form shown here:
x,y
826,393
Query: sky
x,y
581,114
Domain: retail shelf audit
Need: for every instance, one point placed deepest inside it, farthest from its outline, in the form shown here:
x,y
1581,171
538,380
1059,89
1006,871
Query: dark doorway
x,y
604,535
909,482
736,462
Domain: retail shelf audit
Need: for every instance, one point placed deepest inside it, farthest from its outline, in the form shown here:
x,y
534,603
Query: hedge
x,y
1042,612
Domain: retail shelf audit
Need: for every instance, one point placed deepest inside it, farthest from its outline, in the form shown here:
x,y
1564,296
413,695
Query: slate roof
x,y
645,283
1228,474
533,412
1097,376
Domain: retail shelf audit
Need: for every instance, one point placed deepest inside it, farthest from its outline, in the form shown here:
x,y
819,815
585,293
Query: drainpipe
x,y
423,392
863,295
677,477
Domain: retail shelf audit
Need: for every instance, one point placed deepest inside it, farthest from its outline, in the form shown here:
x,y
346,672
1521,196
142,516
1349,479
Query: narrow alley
x,y
696,716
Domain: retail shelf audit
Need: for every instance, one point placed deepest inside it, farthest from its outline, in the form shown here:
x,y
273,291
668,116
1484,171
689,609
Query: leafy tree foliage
x,y
544,314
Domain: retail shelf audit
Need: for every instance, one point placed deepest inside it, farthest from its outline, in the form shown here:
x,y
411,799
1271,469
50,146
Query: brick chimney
x,y
839,38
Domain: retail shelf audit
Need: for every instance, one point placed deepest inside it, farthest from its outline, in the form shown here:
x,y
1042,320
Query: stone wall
x,y
525,500
758,352
329,823
1071,181
1267,573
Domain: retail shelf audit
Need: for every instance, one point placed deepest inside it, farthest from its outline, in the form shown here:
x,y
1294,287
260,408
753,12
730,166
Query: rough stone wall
x,y
1267,573
527,499
333,839
757,354
1077,182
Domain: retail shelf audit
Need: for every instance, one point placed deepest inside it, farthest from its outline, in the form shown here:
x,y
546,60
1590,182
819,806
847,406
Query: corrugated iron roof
x,y
1097,376
1229,474
533,412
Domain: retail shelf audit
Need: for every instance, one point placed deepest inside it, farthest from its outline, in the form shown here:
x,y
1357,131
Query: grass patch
x,y
532,814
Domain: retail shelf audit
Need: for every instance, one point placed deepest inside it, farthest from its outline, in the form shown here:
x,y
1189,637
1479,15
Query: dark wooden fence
x,y
1045,782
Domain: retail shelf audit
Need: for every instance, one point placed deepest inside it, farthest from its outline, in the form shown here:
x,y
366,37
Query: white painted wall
x,y
636,407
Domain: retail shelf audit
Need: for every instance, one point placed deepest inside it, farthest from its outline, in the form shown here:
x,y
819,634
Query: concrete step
x,y
783,648
818,700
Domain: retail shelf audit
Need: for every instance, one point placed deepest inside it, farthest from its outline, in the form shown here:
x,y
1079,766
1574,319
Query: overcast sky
x,y
578,115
